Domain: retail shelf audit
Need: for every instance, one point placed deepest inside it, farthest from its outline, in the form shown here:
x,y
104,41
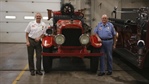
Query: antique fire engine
x,y
133,39
69,37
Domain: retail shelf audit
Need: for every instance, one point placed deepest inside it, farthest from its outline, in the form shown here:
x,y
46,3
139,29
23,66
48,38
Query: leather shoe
x,y
109,73
39,72
101,74
33,73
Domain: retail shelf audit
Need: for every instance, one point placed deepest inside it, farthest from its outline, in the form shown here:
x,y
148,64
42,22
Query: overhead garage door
x,y
16,14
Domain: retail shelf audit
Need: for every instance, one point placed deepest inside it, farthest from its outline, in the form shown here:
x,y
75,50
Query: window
x,y
10,17
29,17
45,18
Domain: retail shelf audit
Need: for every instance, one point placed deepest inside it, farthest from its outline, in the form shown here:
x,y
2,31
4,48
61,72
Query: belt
x,y
31,38
107,39
34,39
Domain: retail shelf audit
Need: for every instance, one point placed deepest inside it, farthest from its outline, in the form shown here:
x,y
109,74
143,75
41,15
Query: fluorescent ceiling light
x,y
45,18
10,17
29,17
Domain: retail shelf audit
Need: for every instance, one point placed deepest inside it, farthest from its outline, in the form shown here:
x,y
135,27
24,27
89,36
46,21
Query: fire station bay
x,y
74,41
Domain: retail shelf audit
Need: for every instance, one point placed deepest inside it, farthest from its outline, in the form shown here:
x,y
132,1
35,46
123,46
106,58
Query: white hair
x,y
38,13
104,15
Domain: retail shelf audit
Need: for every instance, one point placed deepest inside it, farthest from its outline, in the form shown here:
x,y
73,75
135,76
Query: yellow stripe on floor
x,y
20,75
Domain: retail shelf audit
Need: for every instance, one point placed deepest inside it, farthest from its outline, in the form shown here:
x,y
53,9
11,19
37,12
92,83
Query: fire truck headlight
x,y
49,31
84,39
141,44
59,39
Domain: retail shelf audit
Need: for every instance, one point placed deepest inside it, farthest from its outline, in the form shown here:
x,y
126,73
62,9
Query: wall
x,y
82,4
12,30
100,7
134,3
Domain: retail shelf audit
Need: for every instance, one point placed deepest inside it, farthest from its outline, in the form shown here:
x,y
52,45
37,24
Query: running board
x,y
127,55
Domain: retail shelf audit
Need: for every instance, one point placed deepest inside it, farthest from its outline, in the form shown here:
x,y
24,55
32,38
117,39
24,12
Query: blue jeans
x,y
107,50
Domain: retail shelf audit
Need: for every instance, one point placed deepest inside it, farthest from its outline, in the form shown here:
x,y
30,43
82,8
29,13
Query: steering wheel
x,y
67,9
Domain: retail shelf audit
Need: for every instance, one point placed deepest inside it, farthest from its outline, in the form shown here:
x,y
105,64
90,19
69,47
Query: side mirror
x,y
49,14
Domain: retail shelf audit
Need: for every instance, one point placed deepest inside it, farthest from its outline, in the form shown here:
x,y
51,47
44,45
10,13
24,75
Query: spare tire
x,y
67,9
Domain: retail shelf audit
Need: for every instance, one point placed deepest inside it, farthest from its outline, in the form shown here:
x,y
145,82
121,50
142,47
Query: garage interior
x,y
16,14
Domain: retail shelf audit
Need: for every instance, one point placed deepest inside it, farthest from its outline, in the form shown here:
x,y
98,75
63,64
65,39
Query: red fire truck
x,y
69,37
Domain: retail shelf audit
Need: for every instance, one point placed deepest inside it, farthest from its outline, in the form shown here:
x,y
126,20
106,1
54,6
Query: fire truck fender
x,y
94,41
48,41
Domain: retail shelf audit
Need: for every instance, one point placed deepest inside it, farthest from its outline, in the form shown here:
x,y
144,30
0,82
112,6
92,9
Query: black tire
x,y
47,61
67,9
94,61
47,64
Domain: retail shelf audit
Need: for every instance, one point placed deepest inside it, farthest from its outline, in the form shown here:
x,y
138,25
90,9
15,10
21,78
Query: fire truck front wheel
x,y
94,61
47,61
94,64
47,64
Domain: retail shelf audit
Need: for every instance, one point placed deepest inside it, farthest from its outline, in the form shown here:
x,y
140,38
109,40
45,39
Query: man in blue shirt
x,y
106,32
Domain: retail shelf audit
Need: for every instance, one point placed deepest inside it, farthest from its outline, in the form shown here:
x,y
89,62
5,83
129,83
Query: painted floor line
x,y
20,75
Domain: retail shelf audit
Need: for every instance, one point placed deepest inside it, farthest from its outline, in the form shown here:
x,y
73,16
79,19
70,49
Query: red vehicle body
x,y
69,37
133,39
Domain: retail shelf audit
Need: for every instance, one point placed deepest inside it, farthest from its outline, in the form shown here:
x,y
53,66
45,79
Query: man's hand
x,y
37,39
27,43
114,46
98,39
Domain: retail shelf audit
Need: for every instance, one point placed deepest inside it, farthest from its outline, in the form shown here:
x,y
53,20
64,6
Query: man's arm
x,y
27,40
98,38
44,32
38,39
115,35
115,40
95,32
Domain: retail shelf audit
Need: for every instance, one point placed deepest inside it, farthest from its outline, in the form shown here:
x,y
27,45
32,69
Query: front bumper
x,y
72,54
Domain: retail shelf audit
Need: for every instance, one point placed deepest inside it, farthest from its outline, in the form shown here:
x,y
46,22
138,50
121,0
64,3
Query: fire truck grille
x,y
72,37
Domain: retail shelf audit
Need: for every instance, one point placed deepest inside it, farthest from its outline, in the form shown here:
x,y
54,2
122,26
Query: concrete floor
x,y
14,70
